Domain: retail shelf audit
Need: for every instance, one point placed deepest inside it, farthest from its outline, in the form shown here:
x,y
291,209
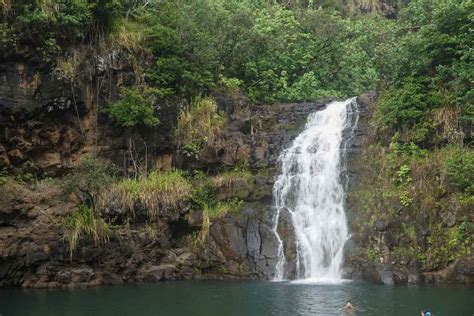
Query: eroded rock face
x,y
38,118
34,252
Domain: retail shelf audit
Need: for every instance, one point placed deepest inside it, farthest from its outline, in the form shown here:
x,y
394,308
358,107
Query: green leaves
x,y
50,26
276,53
460,169
135,107
404,106
428,70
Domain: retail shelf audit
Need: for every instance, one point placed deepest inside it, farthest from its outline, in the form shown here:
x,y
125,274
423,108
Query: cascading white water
x,y
309,187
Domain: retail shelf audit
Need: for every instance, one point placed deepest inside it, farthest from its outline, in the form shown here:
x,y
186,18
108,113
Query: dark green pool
x,y
238,298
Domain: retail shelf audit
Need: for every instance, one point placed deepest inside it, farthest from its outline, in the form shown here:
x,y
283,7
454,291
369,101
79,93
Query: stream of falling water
x,y
310,187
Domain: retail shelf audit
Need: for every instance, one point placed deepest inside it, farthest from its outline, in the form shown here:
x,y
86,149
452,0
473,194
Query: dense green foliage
x,y
423,195
273,52
421,166
430,73
45,26
204,195
135,107
460,169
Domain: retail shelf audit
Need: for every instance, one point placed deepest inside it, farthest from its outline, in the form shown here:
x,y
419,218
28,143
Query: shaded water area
x,y
237,298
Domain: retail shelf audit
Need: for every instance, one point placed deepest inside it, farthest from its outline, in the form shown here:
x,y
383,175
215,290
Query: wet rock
x,y
236,239
414,278
386,276
112,279
253,239
53,136
286,232
399,277
41,285
449,218
81,275
49,160
153,273
36,255
370,273
194,218
269,248
233,188
389,239
263,189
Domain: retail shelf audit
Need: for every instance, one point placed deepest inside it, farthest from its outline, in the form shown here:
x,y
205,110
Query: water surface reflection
x,y
209,298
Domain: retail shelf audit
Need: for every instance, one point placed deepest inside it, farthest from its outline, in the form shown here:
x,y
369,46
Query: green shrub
x,y
198,125
269,50
445,245
460,169
7,39
90,177
204,196
204,190
135,107
50,26
405,198
403,174
83,223
404,106
372,255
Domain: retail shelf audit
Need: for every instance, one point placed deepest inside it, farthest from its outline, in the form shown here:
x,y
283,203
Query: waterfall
x,y
310,188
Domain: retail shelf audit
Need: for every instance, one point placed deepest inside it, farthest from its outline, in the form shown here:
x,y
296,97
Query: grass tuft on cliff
x,y
84,223
158,190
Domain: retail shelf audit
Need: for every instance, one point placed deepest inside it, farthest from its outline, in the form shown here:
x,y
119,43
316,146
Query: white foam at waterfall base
x,y
309,187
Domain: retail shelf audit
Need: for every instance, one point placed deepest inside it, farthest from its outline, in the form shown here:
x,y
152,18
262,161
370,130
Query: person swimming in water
x,y
425,312
348,307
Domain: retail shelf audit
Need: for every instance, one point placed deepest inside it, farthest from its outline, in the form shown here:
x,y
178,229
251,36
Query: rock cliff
x,y
46,126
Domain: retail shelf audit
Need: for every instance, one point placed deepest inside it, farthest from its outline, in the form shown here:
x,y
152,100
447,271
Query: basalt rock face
x,y
37,119
48,123
46,127
245,245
